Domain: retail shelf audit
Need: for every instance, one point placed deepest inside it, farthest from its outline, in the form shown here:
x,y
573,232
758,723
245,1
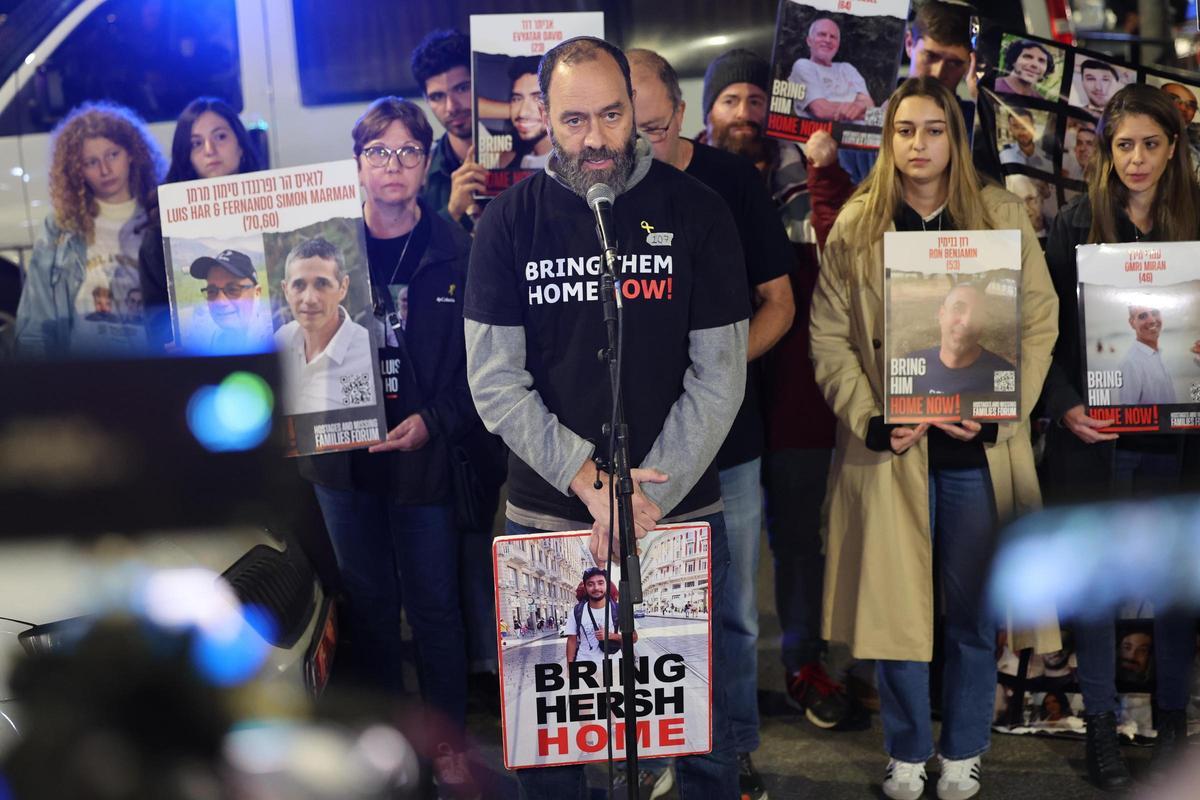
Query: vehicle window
x,y
151,55
362,52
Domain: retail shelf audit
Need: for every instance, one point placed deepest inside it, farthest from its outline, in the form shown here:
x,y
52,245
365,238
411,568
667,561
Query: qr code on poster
x,y
1004,380
1194,392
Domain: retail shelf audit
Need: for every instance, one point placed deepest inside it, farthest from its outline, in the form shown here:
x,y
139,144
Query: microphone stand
x,y
630,586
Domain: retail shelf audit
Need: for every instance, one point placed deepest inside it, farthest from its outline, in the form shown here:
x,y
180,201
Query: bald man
x,y
1185,101
831,91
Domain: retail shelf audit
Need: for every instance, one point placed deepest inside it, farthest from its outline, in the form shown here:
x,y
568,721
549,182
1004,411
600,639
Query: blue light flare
x,y
233,415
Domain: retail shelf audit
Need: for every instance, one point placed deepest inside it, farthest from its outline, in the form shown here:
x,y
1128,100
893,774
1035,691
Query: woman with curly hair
x,y
209,142
82,292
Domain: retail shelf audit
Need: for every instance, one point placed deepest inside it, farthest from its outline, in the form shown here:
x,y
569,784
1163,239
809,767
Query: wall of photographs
x,y
1048,98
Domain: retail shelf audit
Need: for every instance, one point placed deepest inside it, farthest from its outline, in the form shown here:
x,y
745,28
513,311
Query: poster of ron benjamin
x,y
1139,310
833,66
511,139
561,675
952,326
277,260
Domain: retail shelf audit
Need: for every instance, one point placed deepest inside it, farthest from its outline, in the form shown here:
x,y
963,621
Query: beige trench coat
x,y
879,564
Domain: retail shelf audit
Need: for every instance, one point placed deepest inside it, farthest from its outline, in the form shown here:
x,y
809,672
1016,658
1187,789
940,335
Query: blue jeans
x,y
1138,474
795,481
380,544
741,493
962,520
714,775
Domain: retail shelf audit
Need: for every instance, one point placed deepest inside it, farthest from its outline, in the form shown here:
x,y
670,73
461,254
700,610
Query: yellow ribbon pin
x,y
647,227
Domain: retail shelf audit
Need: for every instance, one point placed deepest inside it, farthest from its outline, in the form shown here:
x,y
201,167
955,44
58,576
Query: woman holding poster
x,y
899,494
390,512
1140,189
209,142
82,292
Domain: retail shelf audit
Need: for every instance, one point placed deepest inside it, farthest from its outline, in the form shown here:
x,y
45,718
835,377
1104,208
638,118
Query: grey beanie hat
x,y
734,66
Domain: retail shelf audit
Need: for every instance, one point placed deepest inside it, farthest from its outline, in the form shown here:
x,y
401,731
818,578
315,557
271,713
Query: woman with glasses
x,y
209,142
389,511
1141,188
82,292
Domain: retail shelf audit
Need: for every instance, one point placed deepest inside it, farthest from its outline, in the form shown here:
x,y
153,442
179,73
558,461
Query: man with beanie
x,y
735,106
659,110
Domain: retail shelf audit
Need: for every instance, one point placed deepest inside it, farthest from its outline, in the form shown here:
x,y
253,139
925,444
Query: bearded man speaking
x,y
534,323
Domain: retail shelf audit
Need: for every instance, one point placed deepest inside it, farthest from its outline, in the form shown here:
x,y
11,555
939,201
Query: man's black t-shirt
x,y
768,255
536,263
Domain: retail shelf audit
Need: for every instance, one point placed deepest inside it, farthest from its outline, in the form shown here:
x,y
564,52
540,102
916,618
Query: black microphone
x,y
600,199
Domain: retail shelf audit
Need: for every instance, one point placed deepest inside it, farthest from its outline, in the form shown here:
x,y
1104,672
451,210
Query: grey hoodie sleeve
x,y
699,421
511,409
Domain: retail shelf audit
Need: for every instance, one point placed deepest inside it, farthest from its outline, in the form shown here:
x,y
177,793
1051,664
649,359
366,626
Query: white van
x,y
154,56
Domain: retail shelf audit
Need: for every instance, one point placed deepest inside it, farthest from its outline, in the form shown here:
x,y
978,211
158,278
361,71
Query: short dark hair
x,y
439,51
1015,48
522,65
945,23
662,69
574,51
592,572
382,113
317,247
1092,63
1020,111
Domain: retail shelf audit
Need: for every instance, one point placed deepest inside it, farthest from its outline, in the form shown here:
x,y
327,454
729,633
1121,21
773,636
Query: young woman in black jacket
x,y
1141,188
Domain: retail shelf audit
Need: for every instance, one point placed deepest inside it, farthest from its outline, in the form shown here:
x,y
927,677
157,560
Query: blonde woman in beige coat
x,y
900,493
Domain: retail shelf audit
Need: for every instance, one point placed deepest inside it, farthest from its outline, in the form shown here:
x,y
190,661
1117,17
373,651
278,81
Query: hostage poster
x,y
559,638
833,66
1139,310
952,328
511,139
1040,105
276,260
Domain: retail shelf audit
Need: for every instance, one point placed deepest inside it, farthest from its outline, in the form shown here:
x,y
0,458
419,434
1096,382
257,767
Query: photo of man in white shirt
x,y
327,359
1145,378
831,91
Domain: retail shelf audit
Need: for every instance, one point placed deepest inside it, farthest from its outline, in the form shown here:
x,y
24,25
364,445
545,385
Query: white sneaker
x,y
904,780
959,779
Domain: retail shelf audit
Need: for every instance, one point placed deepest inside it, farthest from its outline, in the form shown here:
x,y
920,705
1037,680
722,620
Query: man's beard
x,y
572,171
756,147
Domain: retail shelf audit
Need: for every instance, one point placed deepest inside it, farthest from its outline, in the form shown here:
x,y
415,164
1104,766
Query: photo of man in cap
x,y
234,303
327,358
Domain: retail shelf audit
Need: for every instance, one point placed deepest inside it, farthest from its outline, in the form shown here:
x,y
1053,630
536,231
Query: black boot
x,y
1172,737
1105,766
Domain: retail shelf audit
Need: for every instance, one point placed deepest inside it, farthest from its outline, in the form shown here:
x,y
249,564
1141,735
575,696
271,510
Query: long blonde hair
x,y
1176,206
882,191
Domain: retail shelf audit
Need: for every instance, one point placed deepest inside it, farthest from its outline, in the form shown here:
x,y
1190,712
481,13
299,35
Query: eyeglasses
x,y
1179,101
409,155
233,291
658,134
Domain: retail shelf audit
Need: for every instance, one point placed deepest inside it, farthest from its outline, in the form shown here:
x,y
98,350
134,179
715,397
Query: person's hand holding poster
x,y
834,65
511,136
1139,307
952,326
276,260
